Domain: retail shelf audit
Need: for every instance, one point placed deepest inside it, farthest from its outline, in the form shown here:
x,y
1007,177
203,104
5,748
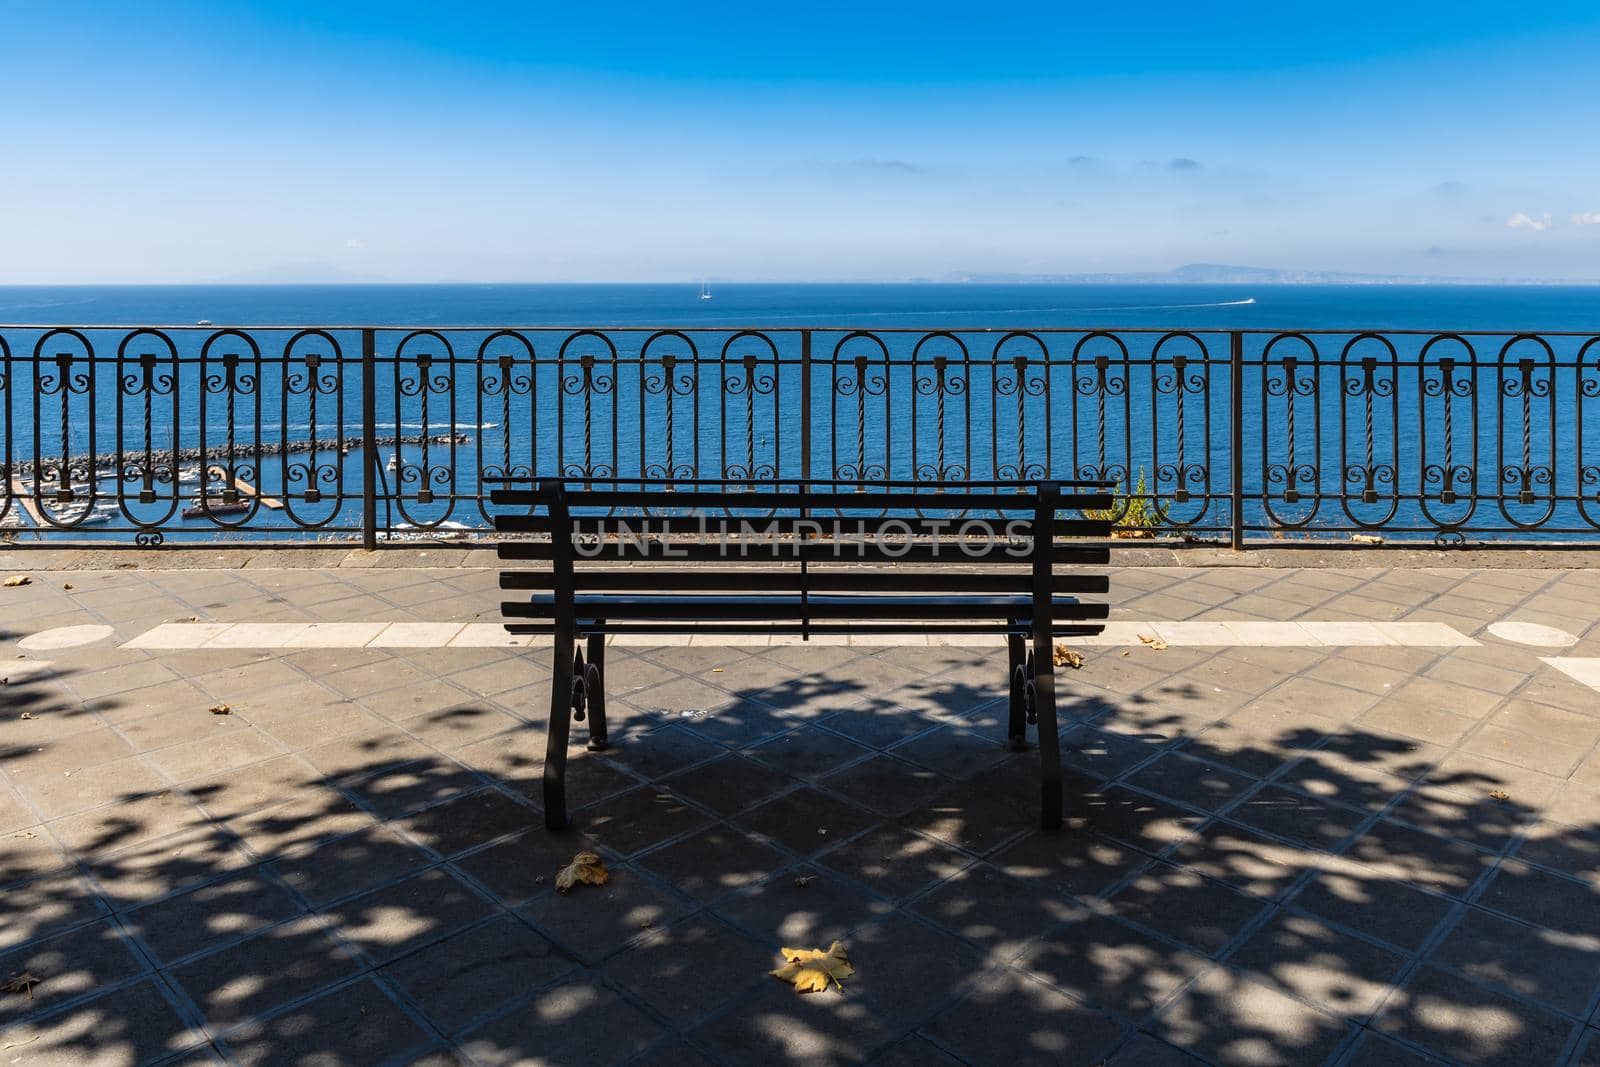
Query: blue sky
x,y
181,142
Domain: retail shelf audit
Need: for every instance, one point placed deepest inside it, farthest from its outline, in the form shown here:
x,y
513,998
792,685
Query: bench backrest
x,y
759,531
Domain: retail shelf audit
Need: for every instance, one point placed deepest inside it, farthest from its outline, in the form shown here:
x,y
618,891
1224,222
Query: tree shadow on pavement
x,y
1218,894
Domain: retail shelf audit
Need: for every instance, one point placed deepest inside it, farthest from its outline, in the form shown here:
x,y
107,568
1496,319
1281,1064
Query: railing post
x,y
805,406
369,439
1236,435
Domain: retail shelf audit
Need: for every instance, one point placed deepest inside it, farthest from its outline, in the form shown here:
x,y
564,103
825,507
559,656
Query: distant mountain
x,y
319,273
1219,274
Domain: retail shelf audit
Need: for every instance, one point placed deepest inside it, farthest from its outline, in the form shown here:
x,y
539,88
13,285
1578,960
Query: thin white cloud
x,y
355,242
1524,221
1586,218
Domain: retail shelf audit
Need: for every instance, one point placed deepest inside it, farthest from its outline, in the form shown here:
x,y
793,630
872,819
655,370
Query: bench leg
x,y
595,690
1017,727
555,752
1044,705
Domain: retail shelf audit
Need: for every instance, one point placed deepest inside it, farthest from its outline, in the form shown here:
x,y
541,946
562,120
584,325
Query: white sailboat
x,y
705,290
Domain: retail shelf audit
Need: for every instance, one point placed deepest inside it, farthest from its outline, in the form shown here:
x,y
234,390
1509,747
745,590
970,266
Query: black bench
x,y
649,557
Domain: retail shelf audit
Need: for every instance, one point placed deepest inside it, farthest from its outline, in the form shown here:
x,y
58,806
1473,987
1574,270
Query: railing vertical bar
x,y
1236,436
805,405
369,439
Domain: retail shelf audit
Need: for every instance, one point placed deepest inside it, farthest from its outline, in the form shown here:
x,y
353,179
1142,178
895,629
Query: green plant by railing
x,y
1135,514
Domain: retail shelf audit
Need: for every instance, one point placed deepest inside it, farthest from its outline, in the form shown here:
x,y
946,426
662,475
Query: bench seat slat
x,y
690,608
586,626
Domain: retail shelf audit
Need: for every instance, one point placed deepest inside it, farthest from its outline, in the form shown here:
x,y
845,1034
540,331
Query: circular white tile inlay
x,y
1532,633
65,637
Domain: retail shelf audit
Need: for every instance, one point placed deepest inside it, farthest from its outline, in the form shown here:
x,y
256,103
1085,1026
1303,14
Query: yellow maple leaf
x,y
810,970
1063,656
18,579
586,868
1153,641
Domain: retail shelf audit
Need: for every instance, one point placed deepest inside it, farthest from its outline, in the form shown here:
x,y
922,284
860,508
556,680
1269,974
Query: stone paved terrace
x,y
1298,849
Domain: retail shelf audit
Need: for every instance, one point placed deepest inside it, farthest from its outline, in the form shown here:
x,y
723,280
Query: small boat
x,y
394,462
217,507
447,530
203,322
705,290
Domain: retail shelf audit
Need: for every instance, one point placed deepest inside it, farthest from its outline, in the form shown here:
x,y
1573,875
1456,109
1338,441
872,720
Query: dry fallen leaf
x,y
585,868
1500,794
810,970
26,715
20,983
716,670
18,579
1366,539
26,835
1066,657
66,585
1153,641
803,880
220,709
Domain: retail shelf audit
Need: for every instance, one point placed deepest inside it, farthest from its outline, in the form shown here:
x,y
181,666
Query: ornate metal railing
x,y
167,434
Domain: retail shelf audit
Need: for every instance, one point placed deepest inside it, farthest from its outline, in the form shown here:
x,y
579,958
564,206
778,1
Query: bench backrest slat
x,y
791,579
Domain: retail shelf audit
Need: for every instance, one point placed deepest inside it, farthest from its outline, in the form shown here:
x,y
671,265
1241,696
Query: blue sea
x,y
1287,307
1402,456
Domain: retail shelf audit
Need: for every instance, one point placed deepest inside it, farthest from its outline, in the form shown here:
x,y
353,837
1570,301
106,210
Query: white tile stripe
x,y
1585,670
1223,634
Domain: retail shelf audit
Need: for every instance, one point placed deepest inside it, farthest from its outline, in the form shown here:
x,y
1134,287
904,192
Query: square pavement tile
x,y
592,922
1541,965
894,861
654,754
689,969
714,861
348,865
1550,900
1190,781
997,910
564,1024
1466,1023
1041,1026
471,974
1296,817
1105,963
907,970
807,753
729,784
1226,1018
638,820
776,1026
390,922
469,821
1203,914
134,1024
886,785
1073,864
806,821
352,1024
801,906
1338,972
221,911
68,966
1374,905
254,976
516,871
